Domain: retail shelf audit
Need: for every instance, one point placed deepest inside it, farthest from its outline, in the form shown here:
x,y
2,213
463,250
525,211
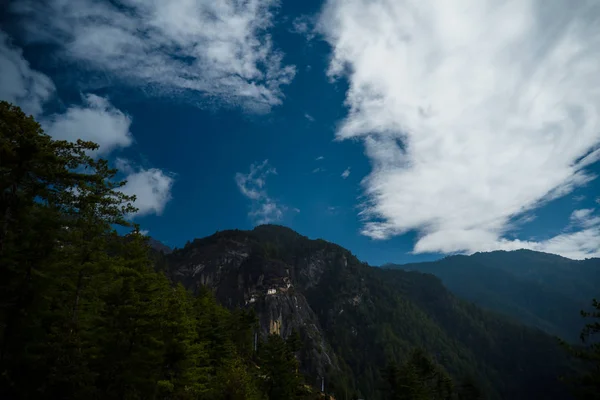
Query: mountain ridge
x,y
354,318
538,289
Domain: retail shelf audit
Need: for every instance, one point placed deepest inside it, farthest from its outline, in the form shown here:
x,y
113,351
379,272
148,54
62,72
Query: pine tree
x,y
294,342
587,385
278,369
419,378
469,390
185,370
392,378
56,203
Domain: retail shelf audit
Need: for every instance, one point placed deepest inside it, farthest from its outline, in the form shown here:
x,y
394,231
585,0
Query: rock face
x,y
353,319
244,272
159,247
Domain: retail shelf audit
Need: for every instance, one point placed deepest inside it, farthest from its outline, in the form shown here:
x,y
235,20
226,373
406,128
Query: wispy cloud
x,y
19,84
95,120
264,209
333,210
585,217
305,26
346,173
309,117
219,50
318,169
472,113
319,158
579,198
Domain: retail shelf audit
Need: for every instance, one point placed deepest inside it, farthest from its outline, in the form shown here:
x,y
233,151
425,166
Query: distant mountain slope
x,y
353,318
159,246
538,289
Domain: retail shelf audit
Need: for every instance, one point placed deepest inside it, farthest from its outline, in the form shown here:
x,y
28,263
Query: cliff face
x,y
353,319
243,272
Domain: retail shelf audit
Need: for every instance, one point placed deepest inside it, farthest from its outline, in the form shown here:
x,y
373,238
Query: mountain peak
x,y
159,246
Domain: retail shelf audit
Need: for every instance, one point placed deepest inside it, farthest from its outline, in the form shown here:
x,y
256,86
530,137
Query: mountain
x,y
538,289
159,246
355,319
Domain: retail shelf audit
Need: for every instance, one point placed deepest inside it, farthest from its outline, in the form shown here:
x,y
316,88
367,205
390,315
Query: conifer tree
x,y
56,204
278,369
587,385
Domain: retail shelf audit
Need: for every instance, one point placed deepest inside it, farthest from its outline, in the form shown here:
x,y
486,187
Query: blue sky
x,y
402,130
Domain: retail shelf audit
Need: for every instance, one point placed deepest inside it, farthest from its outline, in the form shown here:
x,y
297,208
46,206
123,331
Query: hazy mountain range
x,y
537,289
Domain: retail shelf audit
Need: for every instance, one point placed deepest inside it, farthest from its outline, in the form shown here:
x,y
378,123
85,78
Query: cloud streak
x,y
346,173
472,113
304,25
214,50
264,209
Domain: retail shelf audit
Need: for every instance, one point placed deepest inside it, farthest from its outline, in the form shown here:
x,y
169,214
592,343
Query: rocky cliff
x,y
245,271
353,319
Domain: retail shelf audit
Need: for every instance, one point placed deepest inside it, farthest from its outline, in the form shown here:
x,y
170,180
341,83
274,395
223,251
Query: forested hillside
x,y
87,312
538,289
369,317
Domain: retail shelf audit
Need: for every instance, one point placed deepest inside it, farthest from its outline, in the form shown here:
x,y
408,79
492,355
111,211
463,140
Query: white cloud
x,y
152,188
216,49
472,112
319,158
124,166
318,169
264,209
252,184
97,121
19,84
581,240
346,173
578,198
585,217
266,212
309,117
304,25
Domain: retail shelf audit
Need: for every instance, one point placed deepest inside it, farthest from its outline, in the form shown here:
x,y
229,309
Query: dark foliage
x,y
586,385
